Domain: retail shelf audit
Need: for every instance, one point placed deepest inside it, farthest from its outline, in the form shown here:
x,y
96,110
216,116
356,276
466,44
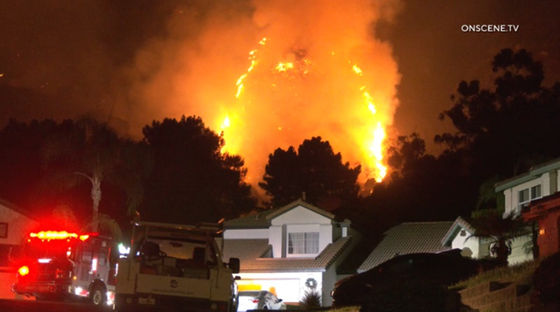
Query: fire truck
x,y
60,265
176,267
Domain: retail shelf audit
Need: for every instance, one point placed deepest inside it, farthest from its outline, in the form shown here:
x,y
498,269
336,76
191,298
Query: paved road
x,y
10,305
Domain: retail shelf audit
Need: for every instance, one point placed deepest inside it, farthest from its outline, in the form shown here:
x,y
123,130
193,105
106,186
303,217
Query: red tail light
x,y
23,271
254,300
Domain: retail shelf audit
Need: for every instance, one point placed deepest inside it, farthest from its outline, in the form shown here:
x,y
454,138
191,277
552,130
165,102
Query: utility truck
x,y
176,267
62,265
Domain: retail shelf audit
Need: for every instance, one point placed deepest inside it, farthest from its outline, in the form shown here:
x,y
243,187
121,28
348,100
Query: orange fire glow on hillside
x,y
320,71
290,79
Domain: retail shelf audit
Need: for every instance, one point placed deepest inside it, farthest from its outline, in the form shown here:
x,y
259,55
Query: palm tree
x,y
65,217
92,151
501,231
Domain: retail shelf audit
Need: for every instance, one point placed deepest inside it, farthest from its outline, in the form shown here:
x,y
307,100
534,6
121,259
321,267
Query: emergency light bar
x,y
58,235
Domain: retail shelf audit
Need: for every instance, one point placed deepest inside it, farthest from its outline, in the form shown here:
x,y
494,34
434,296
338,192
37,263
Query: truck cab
x,y
176,267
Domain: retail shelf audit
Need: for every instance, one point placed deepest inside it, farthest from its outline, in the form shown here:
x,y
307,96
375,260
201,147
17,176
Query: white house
x,y
289,250
519,191
540,181
14,225
460,236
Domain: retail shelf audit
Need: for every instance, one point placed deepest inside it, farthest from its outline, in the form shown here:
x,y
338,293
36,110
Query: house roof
x,y
15,208
262,219
533,172
251,252
457,226
406,238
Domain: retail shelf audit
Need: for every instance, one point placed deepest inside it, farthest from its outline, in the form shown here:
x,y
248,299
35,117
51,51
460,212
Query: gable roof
x,y
15,208
457,226
262,219
251,252
406,238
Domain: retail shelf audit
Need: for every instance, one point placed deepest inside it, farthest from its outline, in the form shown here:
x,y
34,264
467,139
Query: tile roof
x,y
250,252
245,249
253,221
262,219
408,238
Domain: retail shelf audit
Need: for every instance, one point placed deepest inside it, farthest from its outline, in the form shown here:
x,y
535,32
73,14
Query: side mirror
x,y
234,265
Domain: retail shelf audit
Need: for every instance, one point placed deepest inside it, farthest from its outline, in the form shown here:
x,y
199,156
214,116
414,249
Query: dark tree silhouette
x,y
192,180
20,160
94,153
314,170
499,127
421,187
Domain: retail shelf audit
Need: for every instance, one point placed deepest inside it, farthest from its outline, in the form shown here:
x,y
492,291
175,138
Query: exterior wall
x,y
288,286
549,238
464,242
518,250
479,247
549,181
298,219
275,238
18,226
246,233
329,279
300,215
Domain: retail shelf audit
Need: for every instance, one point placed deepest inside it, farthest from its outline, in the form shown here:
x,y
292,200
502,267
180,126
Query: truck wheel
x,y
98,296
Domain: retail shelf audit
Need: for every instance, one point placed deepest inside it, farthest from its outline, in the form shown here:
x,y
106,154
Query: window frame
x,y
531,193
315,244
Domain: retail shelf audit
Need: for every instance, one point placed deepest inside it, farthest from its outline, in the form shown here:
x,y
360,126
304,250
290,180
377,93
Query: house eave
x,y
533,172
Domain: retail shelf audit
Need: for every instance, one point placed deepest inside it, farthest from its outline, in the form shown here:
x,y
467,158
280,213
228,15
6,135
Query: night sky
x,y
61,59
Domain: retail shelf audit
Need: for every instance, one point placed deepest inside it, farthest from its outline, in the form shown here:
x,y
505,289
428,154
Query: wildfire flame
x,y
310,77
369,137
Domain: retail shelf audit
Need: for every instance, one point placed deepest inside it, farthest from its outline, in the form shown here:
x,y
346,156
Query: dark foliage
x,y
500,132
31,184
314,169
515,122
422,187
311,299
546,279
192,180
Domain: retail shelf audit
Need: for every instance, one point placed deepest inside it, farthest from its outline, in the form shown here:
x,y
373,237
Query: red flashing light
x,y
59,235
24,270
53,235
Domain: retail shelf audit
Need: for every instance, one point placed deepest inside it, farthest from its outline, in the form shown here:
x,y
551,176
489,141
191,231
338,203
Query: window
x,y
536,192
529,194
3,230
303,243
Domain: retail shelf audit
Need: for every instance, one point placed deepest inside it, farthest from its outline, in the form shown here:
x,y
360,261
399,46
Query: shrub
x,y
311,299
546,279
